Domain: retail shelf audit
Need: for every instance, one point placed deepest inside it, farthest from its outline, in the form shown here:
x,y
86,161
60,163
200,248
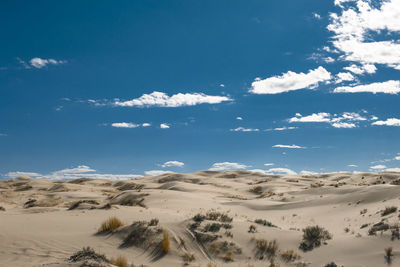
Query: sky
x,y
123,89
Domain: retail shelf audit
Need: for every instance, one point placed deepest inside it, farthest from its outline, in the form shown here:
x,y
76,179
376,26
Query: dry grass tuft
x,y
110,225
389,210
266,248
119,261
166,246
290,255
388,254
314,236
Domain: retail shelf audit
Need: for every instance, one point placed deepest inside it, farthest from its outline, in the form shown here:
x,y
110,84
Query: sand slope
x,y
44,222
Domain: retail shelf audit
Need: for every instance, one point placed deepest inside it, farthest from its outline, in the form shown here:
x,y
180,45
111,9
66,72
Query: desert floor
x,y
207,217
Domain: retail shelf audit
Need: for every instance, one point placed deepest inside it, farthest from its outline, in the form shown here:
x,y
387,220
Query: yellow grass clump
x,y
110,225
120,261
165,242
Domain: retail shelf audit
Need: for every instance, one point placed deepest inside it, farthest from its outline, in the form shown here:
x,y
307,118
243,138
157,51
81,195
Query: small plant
x,y
347,229
266,248
119,261
290,255
153,222
388,254
257,190
264,222
332,264
313,236
165,242
199,217
363,211
228,256
273,263
212,227
87,253
187,258
252,229
110,225
229,234
389,210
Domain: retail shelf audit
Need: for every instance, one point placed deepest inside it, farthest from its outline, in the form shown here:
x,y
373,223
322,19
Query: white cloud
x,y
41,63
392,170
378,167
281,171
352,165
388,87
290,81
164,126
155,172
388,122
146,124
344,76
315,117
316,15
124,125
241,129
288,146
307,172
173,163
366,68
397,158
284,128
224,166
345,120
353,27
74,173
160,99
222,85
329,60
16,174
269,164
239,118
344,125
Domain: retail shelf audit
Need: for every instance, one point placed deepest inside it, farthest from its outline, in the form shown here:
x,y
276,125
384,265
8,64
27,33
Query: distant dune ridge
x,y
208,218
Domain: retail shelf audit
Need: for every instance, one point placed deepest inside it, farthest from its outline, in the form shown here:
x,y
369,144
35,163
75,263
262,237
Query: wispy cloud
x,y
388,87
173,163
164,126
160,99
388,122
289,146
344,120
378,167
290,81
242,129
125,125
74,173
41,62
224,166
156,172
281,171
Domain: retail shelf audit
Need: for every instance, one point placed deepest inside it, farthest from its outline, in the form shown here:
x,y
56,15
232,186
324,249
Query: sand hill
x,y
235,218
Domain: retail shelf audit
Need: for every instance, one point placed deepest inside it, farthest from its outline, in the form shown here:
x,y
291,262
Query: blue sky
x,y
121,89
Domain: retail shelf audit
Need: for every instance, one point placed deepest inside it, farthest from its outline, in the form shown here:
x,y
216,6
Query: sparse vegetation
x,y
290,255
252,229
110,225
76,204
266,248
381,226
88,253
119,261
363,211
389,210
258,190
332,264
388,254
165,242
2,209
264,222
153,222
313,236
187,258
228,256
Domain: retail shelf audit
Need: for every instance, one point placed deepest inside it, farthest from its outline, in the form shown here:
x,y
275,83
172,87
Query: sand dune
x,y
235,218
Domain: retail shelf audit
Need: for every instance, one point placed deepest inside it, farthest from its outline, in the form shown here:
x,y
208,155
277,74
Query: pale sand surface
x,y
47,234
